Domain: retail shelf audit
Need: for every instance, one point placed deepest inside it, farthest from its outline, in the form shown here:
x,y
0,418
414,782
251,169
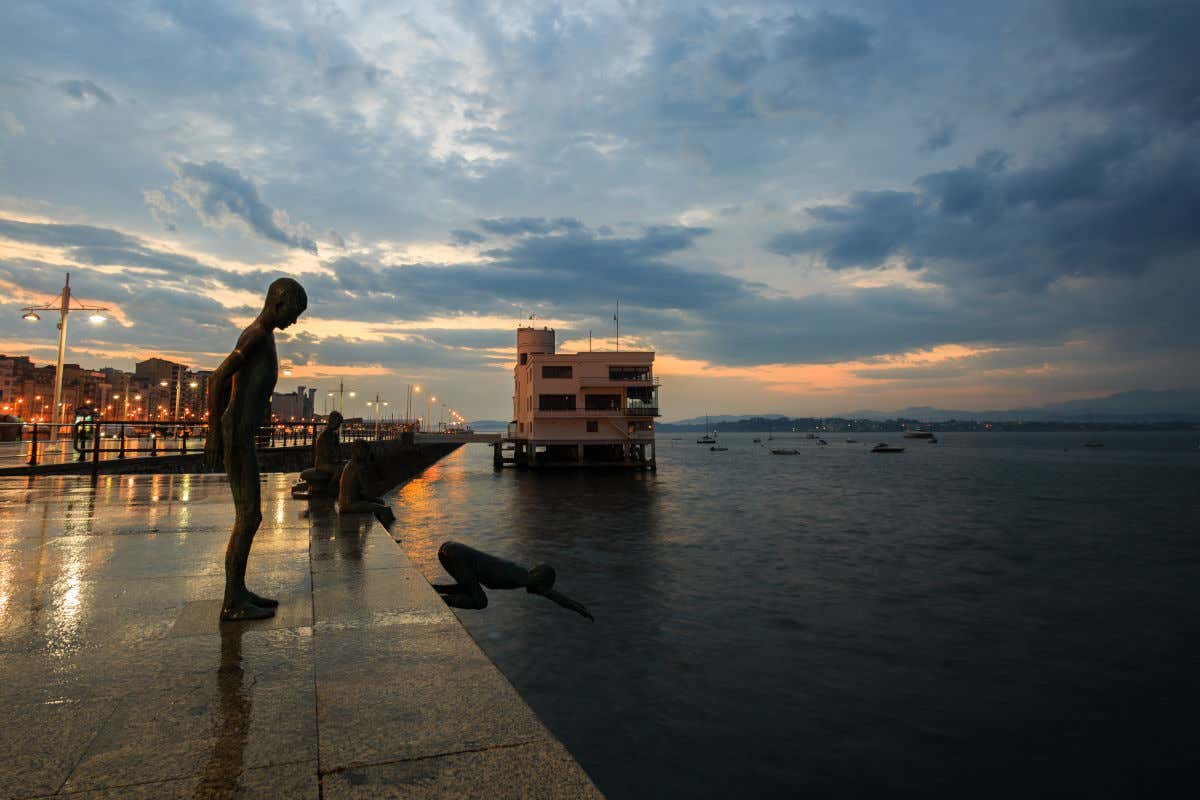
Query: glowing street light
x,y
63,308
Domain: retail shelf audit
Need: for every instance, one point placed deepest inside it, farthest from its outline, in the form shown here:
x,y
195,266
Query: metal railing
x,y
118,439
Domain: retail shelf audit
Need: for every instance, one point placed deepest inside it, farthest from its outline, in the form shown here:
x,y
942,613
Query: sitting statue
x,y
474,569
353,492
321,478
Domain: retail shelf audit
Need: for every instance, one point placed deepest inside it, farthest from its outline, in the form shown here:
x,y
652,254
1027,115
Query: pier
x,y
119,680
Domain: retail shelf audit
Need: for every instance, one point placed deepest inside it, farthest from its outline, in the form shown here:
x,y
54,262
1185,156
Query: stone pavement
x,y
116,679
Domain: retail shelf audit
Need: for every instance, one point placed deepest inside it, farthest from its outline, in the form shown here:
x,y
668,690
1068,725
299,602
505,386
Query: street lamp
x,y
63,308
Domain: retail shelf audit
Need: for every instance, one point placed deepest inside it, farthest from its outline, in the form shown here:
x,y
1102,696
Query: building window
x,y
593,426
602,402
556,372
556,402
524,358
629,373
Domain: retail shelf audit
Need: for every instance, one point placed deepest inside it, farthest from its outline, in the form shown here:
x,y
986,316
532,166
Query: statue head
x,y
286,301
541,578
335,420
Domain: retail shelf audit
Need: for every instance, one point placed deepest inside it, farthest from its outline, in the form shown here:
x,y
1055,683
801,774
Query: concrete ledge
x,y
118,680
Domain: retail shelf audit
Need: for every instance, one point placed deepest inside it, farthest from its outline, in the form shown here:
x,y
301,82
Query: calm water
x,y
986,615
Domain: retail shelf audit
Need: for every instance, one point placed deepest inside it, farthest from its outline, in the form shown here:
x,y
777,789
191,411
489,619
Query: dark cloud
x,y
939,138
219,193
824,39
1113,203
85,91
1138,55
464,237
517,226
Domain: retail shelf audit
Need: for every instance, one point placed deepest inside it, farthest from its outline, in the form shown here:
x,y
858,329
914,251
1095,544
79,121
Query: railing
x,y
117,439
633,410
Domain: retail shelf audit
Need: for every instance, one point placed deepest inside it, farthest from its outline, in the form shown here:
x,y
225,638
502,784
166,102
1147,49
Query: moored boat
x,y
884,447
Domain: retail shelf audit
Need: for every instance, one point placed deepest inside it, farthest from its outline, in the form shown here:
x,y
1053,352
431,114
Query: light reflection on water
x,y
983,616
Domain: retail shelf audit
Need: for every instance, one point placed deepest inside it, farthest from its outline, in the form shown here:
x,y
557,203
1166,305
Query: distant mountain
x,y
1169,405
719,418
1141,405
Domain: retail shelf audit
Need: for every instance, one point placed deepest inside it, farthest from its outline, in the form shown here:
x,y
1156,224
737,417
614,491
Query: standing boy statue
x,y
239,392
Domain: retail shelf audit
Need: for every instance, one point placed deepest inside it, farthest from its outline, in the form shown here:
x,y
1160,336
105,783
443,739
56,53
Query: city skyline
x,y
818,206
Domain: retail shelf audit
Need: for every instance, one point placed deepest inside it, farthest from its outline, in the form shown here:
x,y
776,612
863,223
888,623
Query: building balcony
x,y
604,383
595,413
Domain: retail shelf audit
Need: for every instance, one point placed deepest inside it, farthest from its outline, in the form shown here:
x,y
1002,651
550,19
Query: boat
x,y
918,434
716,448
822,441
884,447
933,440
758,441
1093,443
708,437
784,451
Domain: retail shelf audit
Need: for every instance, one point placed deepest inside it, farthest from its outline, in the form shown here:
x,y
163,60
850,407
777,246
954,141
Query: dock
x,y
119,681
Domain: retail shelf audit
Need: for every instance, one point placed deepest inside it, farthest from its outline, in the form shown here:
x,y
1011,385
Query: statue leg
x,y
241,465
466,593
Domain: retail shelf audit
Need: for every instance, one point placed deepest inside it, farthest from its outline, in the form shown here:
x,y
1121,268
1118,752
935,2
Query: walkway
x,y
117,680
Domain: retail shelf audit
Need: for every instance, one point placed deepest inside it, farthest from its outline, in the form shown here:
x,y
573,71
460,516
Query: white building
x,y
581,408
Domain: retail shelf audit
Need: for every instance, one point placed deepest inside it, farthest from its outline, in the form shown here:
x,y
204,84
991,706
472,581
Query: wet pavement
x,y
117,680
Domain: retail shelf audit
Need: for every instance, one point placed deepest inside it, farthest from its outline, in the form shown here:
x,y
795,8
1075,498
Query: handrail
x,y
121,438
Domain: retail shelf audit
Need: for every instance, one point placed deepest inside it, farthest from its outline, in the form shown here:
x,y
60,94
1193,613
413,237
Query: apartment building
x,y
581,408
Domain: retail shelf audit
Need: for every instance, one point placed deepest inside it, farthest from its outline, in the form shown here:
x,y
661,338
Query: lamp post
x,y
63,308
377,405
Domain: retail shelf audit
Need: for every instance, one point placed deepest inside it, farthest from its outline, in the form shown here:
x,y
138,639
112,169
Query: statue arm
x,y
565,602
220,388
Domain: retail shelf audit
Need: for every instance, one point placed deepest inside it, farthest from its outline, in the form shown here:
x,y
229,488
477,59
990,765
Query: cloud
x,y
941,135
11,124
220,194
824,39
518,226
461,236
1112,203
85,91
1136,55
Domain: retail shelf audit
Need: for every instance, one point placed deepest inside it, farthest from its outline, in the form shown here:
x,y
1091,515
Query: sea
x,y
993,615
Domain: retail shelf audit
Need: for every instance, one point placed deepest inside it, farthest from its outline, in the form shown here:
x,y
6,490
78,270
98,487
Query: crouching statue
x,y
321,479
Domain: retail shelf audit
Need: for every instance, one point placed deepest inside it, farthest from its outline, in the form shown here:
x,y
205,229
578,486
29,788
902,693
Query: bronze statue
x,y
321,479
474,569
239,391
354,495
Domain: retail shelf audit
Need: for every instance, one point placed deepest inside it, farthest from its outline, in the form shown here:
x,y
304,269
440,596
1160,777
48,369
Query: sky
x,y
803,208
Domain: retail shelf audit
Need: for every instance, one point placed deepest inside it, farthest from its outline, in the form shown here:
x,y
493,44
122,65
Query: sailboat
x,y
707,438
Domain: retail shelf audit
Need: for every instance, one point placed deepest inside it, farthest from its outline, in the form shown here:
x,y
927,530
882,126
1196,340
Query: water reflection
x,y
231,722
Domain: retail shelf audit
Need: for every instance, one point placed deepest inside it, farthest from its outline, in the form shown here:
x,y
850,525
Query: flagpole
x,y
617,323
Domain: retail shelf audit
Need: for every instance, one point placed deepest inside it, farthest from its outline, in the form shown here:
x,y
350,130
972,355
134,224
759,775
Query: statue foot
x,y
246,610
262,602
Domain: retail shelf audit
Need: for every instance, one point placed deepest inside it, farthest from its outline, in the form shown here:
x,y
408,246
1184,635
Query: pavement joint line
x,y
369,764
60,793
83,751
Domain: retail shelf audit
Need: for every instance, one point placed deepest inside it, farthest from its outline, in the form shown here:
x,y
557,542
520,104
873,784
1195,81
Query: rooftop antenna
x,y
617,324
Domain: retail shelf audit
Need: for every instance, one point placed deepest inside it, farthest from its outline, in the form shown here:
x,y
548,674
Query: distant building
x,y
586,408
295,405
